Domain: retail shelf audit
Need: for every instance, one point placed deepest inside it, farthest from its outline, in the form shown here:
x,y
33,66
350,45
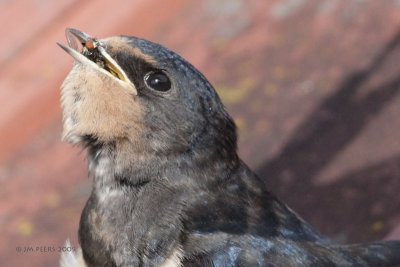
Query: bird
x,y
169,188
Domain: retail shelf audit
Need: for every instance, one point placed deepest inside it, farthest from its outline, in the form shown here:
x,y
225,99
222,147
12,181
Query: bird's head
x,y
126,89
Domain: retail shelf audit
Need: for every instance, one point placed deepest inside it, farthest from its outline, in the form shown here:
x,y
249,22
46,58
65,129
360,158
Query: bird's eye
x,y
157,80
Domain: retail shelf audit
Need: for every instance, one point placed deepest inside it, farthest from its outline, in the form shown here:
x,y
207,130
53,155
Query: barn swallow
x,y
168,186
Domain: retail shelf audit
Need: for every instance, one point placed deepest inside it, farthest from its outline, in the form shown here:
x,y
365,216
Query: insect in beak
x,y
90,51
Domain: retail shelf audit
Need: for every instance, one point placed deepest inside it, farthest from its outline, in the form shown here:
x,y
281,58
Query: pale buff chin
x,y
95,104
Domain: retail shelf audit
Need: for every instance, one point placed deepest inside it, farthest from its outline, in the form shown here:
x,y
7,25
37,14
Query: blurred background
x,y
313,86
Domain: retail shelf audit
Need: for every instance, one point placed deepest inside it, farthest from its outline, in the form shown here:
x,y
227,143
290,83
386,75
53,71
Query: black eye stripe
x,y
157,80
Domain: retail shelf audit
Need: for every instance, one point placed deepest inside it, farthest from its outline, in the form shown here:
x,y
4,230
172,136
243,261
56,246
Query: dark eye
x,y
157,80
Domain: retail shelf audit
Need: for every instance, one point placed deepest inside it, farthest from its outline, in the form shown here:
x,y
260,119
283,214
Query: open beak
x,y
89,51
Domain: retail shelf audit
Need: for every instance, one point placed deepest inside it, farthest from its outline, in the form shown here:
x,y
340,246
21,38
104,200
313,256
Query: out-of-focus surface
x,y
312,84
